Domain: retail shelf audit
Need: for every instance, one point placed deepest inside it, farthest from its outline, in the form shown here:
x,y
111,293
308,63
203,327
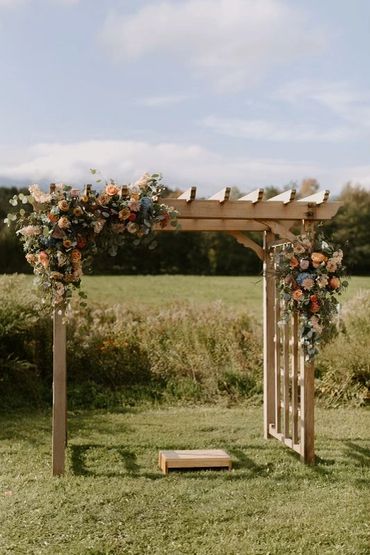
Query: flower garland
x,y
310,273
61,231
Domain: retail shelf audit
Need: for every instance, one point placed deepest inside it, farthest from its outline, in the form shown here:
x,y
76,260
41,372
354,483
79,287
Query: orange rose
x,y
103,199
314,304
124,213
297,294
63,205
112,190
53,217
43,258
31,258
64,223
75,256
334,282
318,258
294,262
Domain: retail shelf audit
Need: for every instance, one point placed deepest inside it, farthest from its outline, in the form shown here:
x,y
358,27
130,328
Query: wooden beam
x,y
189,195
264,210
279,229
247,242
317,198
59,392
204,224
254,196
269,287
285,197
222,196
307,412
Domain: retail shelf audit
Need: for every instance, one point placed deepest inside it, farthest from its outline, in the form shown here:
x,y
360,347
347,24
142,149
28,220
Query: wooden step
x,y
194,458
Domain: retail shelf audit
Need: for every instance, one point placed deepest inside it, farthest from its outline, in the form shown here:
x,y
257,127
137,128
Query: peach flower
x,y
308,283
63,205
43,259
67,243
318,258
331,265
297,294
75,256
64,222
112,190
31,258
124,214
334,282
77,211
294,262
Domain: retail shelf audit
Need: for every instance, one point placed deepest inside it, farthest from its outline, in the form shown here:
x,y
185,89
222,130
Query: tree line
x,y
210,253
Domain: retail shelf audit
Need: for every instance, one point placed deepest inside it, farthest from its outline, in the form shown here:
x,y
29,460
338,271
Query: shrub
x,y
343,368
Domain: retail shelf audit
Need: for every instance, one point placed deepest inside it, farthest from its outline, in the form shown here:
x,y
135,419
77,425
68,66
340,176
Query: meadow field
x,y
241,293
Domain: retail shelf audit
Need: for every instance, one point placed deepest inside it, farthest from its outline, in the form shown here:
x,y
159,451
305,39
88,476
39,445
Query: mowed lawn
x,y
113,498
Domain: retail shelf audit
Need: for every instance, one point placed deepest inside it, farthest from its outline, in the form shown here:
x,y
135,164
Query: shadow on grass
x,y
244,462
357,453
79,454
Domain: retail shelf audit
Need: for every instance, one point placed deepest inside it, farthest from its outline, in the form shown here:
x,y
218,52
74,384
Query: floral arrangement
x,y
62,230
310,273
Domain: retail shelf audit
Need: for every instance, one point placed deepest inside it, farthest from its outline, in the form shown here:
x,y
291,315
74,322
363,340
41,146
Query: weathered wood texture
x,y
194,458
268,334
59,392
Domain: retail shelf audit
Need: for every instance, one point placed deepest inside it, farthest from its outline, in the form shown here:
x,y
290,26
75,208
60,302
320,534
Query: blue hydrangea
x,y
302,276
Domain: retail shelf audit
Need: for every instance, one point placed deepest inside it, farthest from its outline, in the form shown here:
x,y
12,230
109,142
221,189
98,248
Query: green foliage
x,y
351,228
343,367
114,500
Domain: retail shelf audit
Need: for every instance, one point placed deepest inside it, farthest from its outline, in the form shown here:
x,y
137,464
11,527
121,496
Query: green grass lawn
x,y
114,500
239,292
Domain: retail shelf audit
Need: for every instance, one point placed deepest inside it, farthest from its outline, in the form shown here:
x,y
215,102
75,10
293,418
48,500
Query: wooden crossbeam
x,y
253,196
264,210
285,197
189,195
247,242
222,196
205,224
317,198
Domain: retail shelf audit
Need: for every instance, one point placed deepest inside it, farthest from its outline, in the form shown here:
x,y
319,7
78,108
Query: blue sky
x,y
208,92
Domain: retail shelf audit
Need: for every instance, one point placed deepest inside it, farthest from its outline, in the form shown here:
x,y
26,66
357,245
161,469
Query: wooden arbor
x,y
288,379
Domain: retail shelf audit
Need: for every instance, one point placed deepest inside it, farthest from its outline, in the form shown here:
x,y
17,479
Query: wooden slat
x,y
222,196
295,368
277,361
287,441
264,210
253,196
285,197
189,195
269,288
59,392
286,361
307,412
204,224
317,198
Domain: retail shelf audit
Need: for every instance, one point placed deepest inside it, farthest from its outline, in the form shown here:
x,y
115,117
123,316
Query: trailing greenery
x,y
113,499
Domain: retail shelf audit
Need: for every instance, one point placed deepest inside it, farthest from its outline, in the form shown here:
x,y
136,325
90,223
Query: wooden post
x,y
307,412
268,334
59,391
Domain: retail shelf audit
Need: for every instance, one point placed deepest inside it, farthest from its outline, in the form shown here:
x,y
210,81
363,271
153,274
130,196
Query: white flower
x,y
143,181
38,195
30,230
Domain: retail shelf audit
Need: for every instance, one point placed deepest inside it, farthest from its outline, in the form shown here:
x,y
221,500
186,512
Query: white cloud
x,y
159,101
234,43
267,130
341,98
181,165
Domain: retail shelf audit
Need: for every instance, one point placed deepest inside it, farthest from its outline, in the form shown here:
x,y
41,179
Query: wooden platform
x,y
194,458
